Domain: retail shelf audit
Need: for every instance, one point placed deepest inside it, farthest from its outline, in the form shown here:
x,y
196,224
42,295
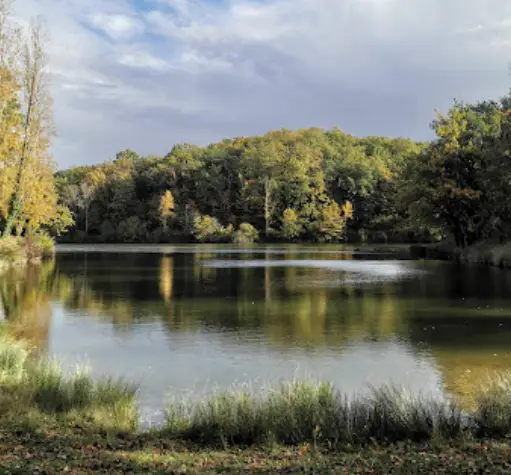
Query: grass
x,y
34,390
53,423
308,412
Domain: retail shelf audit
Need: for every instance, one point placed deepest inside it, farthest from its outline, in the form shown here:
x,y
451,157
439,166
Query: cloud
x,y
147,74
143,60
118,26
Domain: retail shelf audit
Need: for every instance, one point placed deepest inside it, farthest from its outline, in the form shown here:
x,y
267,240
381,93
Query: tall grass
x,y
299,412
492,414
290,413
43,387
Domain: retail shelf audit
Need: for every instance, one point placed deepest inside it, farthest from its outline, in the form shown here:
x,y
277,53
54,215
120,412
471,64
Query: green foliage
x,y
62,221
460,183
131,229
290,184
333,221
208,229
246,234
291,227
45,244
253,179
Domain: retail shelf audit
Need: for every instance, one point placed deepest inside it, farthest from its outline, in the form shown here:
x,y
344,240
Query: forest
x,y
308,185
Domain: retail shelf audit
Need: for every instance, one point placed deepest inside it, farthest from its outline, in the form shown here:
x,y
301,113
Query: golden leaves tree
x,y
10,116
28,198
167,209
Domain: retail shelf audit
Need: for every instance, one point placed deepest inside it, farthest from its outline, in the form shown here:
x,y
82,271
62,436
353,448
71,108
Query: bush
x,y
30,248
45,244
38,246
246,234
11,250
208,229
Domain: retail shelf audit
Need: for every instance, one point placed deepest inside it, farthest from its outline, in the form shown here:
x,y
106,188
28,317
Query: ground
x,y
76,452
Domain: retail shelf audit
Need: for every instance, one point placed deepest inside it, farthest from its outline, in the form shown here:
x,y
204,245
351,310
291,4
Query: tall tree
x,y
33,201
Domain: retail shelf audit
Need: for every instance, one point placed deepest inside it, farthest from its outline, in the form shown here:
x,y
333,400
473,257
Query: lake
x,y
183,321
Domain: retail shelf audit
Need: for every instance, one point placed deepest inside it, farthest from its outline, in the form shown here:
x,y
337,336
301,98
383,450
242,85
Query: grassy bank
x,y
52,423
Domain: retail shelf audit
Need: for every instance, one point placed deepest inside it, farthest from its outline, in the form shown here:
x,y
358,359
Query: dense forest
x,y
310,184
305,185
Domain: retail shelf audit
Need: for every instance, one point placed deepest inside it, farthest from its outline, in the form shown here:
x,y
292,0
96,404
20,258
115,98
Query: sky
x,y
147,74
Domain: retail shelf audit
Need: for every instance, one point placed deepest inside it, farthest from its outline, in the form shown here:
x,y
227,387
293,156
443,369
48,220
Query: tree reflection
x,y
25,301
459,317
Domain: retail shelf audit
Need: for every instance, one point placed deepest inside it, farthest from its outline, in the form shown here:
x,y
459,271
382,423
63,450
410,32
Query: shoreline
x,y
483,254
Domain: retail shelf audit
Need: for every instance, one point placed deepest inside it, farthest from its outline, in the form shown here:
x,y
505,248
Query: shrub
x,y
246,234
11,250
208,229
45,244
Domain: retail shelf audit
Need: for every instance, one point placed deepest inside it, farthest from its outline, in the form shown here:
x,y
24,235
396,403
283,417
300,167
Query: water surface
x,y
185,320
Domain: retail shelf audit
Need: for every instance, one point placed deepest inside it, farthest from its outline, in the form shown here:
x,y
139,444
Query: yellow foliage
x,y
10,120
38,194
95,178
167,205
347,210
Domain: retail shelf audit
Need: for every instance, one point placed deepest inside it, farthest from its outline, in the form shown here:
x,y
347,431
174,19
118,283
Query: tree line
x,y
308,184
305,185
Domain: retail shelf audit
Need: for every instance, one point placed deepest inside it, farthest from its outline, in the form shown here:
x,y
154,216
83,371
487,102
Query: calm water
x,y
185,320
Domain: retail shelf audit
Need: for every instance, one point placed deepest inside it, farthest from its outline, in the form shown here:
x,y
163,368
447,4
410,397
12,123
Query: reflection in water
x,y
25,301
184,320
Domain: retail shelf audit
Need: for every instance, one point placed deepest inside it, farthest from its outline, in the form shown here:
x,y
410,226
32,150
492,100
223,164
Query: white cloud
x,y
191,70
118,26
143,60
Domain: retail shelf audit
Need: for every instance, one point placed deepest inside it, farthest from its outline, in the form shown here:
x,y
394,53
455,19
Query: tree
x,y
33,199
461,181
333,221
291,227
167,208
10,116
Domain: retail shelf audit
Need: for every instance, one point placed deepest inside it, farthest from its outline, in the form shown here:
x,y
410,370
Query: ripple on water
x,y
364,270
